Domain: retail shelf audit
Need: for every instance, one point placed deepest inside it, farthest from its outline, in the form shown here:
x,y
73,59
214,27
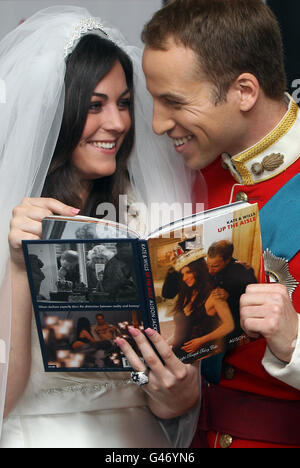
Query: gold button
x,y
229,372
241,196
225,440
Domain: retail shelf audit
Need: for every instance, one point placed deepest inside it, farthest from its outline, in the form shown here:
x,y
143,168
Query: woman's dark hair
x,y
203,285
88,64
83,324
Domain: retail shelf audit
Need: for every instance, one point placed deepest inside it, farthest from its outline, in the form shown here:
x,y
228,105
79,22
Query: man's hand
x,y
191,346
173,387
267,310
220,293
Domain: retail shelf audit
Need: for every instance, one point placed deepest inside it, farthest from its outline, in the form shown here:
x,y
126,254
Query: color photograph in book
x,y
84,340
199,275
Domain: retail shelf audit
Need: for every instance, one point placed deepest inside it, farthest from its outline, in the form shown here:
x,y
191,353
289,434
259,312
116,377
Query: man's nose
x,y
162,121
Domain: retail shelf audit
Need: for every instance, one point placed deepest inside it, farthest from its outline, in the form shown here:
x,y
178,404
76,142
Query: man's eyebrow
x,y
172,97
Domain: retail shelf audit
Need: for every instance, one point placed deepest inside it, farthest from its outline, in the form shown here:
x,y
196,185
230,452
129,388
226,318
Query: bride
x,y
74,132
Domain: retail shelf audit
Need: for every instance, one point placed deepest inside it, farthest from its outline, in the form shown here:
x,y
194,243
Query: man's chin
x,y
193,162
196,162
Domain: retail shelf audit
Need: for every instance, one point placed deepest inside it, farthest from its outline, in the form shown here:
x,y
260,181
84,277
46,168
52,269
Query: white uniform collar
x,y
270,156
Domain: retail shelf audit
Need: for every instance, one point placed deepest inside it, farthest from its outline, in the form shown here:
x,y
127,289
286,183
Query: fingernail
x,y
150,332
119,341
133,331
75,211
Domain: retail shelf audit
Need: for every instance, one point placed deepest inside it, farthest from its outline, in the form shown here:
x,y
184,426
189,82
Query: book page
x,y
83,227
84,295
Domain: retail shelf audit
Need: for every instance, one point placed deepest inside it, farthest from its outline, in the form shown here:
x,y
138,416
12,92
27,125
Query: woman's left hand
x,y
173,387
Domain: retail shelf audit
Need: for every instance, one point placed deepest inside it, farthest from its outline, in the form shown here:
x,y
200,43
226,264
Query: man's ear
x,y
247,88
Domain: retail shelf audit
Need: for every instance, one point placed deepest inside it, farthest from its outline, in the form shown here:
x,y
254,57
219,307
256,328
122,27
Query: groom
x,y
215,71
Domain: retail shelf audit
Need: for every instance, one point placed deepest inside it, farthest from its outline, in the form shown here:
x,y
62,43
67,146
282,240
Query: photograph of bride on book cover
x,y
199,277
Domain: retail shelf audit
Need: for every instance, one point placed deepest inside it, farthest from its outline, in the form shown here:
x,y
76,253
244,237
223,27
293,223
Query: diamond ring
x,y
139,378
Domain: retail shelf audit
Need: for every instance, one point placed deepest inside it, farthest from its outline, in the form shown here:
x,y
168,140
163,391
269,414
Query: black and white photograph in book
x,y
85,339
83,272
86,228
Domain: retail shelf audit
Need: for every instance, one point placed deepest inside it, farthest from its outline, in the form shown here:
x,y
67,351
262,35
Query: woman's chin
x,y
105,170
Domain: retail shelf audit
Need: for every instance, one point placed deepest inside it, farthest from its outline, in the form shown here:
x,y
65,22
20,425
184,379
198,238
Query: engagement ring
x,y
139,378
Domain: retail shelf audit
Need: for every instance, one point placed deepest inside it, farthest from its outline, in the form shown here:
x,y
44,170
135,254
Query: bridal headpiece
x,y
83,27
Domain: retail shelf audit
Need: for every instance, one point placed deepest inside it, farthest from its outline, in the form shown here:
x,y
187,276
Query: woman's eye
x,y
95,106
124,103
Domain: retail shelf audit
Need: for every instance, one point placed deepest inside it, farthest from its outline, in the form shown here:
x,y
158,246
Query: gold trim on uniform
x,y
277,269
239,161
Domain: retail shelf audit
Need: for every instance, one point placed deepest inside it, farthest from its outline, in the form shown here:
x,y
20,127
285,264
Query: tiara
x,y
84,26
187,252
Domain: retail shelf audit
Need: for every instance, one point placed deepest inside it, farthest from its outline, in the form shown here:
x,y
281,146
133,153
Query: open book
x,y
92,279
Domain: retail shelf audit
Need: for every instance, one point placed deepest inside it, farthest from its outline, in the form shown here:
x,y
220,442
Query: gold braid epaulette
x,y
278,132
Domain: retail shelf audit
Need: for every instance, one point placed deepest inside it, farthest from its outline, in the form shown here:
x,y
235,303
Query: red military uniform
x,y
250,407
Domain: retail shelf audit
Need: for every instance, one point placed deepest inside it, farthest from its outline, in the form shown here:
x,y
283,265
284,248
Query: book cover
x,y
199,273
87,290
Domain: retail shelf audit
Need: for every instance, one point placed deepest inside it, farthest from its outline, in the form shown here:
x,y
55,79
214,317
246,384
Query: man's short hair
x,y
229,37
223,249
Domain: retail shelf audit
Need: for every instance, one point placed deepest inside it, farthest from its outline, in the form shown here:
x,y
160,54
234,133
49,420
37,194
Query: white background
x,y
129,16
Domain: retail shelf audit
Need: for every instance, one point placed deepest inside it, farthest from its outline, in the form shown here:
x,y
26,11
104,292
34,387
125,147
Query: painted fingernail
x,y
75,211
149,332
133,331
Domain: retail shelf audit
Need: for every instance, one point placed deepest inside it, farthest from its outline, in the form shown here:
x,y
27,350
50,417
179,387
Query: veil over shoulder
x,y
32,71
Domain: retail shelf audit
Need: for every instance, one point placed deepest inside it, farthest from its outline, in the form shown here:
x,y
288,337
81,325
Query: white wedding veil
x,y
32,71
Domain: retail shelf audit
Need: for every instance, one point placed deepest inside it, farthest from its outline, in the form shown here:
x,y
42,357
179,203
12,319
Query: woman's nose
x,y
116,120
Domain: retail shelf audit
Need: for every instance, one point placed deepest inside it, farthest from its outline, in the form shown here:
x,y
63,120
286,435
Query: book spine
x,y
150,309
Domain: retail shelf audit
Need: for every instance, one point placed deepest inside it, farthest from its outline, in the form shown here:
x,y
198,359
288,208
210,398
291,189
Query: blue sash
x,y
280,229
280,221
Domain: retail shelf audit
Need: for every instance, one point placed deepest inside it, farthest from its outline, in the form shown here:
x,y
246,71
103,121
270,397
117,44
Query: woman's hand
x,y
173,387
26,223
